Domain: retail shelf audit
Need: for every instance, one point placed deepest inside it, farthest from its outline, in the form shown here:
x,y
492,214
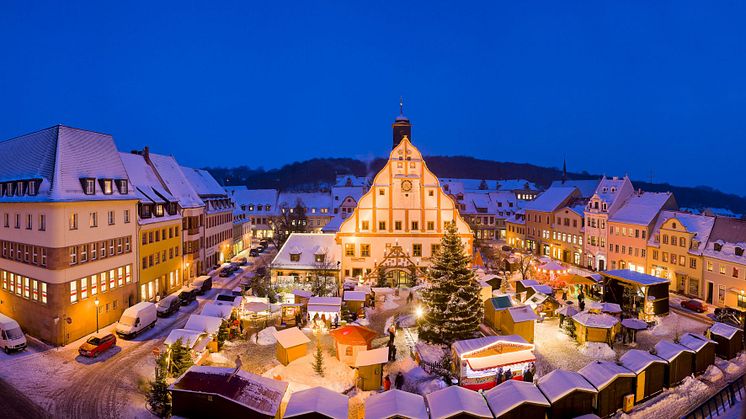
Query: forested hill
x,y
320,173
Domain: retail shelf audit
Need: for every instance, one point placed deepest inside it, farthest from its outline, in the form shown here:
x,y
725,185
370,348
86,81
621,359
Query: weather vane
x,y
401,105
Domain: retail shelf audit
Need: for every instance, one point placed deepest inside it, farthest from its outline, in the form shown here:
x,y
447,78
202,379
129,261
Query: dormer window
x,y
605,189
259,207
717,246
295,257
107,186
613,189
251,207
145,211
122,186
159,210
89,186
604,206
320,258
673,226
739,251
32,188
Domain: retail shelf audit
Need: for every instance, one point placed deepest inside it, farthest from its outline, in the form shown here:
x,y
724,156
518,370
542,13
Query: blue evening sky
x,y
616,86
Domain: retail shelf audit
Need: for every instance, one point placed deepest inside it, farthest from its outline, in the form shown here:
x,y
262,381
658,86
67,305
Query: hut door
x,y
640,393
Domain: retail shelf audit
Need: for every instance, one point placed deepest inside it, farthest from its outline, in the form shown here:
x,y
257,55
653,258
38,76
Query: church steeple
x,y
564,170
401,126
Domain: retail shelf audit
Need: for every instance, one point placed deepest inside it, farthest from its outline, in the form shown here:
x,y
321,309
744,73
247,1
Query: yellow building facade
x,y
159,250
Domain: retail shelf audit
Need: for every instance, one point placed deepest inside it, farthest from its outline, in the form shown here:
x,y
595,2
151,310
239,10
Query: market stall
x,y
457,402
704,350
351,339
613,383
517,400
481,362
650,372
569,393
679,361
729,340
317,402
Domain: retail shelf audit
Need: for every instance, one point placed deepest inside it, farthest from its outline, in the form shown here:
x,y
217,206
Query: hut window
x,y
348,350
739,251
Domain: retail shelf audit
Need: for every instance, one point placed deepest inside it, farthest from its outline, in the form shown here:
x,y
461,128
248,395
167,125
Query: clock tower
x,y
402,127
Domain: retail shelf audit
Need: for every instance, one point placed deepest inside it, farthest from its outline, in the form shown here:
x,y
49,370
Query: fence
x,y
720,402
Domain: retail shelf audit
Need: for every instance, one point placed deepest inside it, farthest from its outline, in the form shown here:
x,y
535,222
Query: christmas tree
x,y
318,359
223,333
453,309
159,399
181,359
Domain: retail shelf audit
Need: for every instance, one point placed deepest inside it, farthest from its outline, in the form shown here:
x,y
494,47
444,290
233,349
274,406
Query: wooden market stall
x,y
704,351
350,340
595,327
291,344
679,361
479,361
517,400
325,310
395,404
638,294
317,402
613,382
519,321
649,370
729,340
494,308
568,392
355,301
457,402
369,366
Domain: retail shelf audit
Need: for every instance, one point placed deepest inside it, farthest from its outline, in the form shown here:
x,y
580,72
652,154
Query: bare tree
x,y
525,266
290,220
324,280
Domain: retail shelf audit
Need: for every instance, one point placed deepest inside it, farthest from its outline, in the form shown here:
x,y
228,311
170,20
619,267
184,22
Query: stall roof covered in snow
x,y
455,400
511,394
327,301
303,293
206,324
636,360
353,335
395,403
260,394
669,350
596,320
290,337
694,342
641,209
372,357
559,383
542,289
317,400
354,296
522,314
467,346
602,373
638,278
309,245
188,337
724,330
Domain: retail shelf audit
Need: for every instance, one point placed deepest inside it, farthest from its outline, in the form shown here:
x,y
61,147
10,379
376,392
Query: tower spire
x,y
564,170
401,105
402,127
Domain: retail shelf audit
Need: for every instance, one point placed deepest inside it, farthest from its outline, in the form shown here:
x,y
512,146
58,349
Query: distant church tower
x,y
401,126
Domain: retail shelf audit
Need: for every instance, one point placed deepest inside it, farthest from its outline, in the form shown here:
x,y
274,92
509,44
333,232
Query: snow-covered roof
x,y
636,277
636,360
292,336
60,157
317,400
700,225
501,302
516,184
551,199
328,301
634,324
206,324
522,314
456,400
340,193
586,187
395,403
309,245
372,357
354,296
695,342
333,225
188,337
148,187
252,199
303,293
542,289
609,189
177,183
596,320
728,233
466,346
559,383
213,309
602,373
312,201
203,182
641,209
260,394
724,330
528,282
350,180
669,350
511,394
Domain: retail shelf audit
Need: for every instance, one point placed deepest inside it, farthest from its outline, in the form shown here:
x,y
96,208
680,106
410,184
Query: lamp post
x,y
95,303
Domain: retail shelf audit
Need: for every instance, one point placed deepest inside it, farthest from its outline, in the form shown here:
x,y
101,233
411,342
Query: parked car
x,y
242,261
137,319
238,291
187,295
694,305
168,306
254,252
264,243
730,315
225,272
11,335
203,284
95,346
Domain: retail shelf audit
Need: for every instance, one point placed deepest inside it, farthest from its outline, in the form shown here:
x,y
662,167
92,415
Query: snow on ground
x,y
669,327
713,375
673,402
389,303
554,349
267,336
300,374
597,350
416,380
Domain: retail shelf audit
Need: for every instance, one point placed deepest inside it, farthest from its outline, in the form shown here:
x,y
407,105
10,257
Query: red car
x,y
95,346
694,305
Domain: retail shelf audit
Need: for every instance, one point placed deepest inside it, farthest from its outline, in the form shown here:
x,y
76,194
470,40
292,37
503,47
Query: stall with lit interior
x,y
350,340
639,295
478,361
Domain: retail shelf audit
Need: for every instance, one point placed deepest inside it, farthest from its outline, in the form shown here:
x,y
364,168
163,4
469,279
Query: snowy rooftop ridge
x,y
455,400
177,183
309,244
467,346
694,342
551,199
148,187
290,337
395,403
317,400
602,373
559,383
512,393
724,330
669,350
641,209
636,360
597,320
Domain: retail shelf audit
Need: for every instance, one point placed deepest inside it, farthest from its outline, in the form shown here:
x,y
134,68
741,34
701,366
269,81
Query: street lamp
x,y
95,302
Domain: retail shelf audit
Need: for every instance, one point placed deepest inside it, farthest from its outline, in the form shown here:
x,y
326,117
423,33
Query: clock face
x,y
406,185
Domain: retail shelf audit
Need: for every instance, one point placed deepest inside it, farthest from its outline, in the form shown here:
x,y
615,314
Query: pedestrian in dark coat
x,y
399,380
528,376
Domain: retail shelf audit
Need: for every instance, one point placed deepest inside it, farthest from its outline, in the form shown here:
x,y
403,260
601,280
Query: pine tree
x,y
159,399
453,309
223,333
181,359
318,359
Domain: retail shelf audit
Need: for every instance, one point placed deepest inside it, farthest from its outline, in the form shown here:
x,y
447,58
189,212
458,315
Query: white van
x,y
11,335
137,319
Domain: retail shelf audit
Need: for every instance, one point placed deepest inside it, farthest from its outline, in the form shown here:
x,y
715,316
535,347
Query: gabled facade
x,y
610,195
540,217
725,264
319,207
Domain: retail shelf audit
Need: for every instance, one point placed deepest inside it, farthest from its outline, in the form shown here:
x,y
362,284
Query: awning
x,y
500,360
580,280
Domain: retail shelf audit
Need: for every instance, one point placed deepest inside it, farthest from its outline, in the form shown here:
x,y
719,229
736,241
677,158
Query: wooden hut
x,y
494,309
704,351
569,394
649,293
369,366
679,361
519,321
478,361
224,392
729,340
595,327
317,402
291,344
485,290
522,287
649,370
517,400
301,297
457,402
351,339
354,301
395,404
613,382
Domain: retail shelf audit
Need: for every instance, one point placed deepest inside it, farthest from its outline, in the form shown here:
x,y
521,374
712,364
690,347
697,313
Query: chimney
x,y
146,154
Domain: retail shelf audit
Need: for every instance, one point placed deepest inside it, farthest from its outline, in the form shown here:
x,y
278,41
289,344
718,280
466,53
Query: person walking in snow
x,y
386,383
399,381
392,334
